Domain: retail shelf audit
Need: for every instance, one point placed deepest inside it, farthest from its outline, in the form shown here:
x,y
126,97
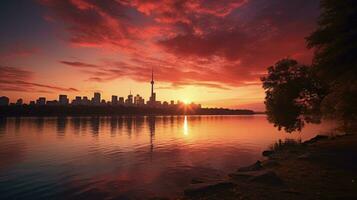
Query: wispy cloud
x,y
18,49
79,64
16,79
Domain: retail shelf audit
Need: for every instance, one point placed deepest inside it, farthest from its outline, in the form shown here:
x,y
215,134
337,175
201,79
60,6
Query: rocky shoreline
x,y
320,168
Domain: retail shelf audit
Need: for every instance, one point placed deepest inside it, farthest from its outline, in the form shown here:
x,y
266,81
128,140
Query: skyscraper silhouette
x,y
96,99
152,82
152,100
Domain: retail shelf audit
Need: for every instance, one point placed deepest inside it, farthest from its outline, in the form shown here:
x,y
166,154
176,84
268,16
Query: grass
x,y
287,144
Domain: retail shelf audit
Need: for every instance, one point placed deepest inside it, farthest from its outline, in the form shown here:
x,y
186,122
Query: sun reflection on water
x,y
185,126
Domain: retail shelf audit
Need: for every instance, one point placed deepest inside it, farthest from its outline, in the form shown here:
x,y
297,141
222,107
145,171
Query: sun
x,y
185,101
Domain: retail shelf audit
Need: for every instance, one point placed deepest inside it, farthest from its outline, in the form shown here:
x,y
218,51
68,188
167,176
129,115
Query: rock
x,y
262,176
305,156
242,176
316,139
254,167
267,177
202,188
196,181
270,163
267,153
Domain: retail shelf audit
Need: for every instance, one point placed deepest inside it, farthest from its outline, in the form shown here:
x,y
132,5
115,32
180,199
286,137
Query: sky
x,y
204,51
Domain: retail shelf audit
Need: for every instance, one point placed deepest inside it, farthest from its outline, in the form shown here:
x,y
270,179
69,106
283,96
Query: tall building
x,y
129,100
63,100
152,100
121,100
114,100
77,100
4,101
85,100
41,101
96,99
138,100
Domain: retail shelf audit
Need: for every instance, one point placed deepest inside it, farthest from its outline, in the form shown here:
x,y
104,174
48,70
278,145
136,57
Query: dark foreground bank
x,y
321,168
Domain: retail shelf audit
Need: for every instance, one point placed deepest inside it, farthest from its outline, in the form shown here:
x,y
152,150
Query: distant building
x,y
41,101
121,100
19,102
96,99
103,102
4,101
63,100
165,104
138,100
85,101
52,103
32,103
129,100
77,100
114,100
172,102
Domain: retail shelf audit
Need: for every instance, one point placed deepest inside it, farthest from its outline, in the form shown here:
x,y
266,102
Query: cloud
x,y
204,84
184,11
79,64
218,44
19,80
17,49
266,32
229,44
178,74
92,23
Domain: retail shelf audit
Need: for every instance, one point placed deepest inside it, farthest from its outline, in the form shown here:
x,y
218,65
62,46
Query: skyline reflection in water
x,y
127,157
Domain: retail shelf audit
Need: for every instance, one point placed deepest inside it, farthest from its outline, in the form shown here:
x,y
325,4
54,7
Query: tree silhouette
x,y
293,95
296,94
335,60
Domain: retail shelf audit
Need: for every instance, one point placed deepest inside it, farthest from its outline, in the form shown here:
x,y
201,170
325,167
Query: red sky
x,y
207,51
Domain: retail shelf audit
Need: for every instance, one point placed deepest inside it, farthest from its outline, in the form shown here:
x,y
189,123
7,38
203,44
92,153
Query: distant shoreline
x,y
80,110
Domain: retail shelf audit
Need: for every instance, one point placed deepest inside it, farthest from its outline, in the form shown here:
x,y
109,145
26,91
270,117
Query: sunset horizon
x,y
216,49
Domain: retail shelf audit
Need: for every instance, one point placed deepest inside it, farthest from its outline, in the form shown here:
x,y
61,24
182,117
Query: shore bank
x,y
320,168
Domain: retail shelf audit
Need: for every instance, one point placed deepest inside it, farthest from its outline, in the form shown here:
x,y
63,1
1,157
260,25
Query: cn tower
x,y
152,82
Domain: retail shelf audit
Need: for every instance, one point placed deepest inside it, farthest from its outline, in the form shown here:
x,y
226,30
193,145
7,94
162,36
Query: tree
x,y
293,95
335,60
296,94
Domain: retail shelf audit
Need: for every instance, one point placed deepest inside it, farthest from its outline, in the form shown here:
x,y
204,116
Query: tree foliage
x,y
335,60
296,94
293,95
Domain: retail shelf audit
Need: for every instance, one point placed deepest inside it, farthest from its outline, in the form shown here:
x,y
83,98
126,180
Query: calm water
x,y
127,157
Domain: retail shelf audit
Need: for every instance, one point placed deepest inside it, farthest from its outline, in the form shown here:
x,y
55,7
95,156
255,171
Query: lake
x,y
128,157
